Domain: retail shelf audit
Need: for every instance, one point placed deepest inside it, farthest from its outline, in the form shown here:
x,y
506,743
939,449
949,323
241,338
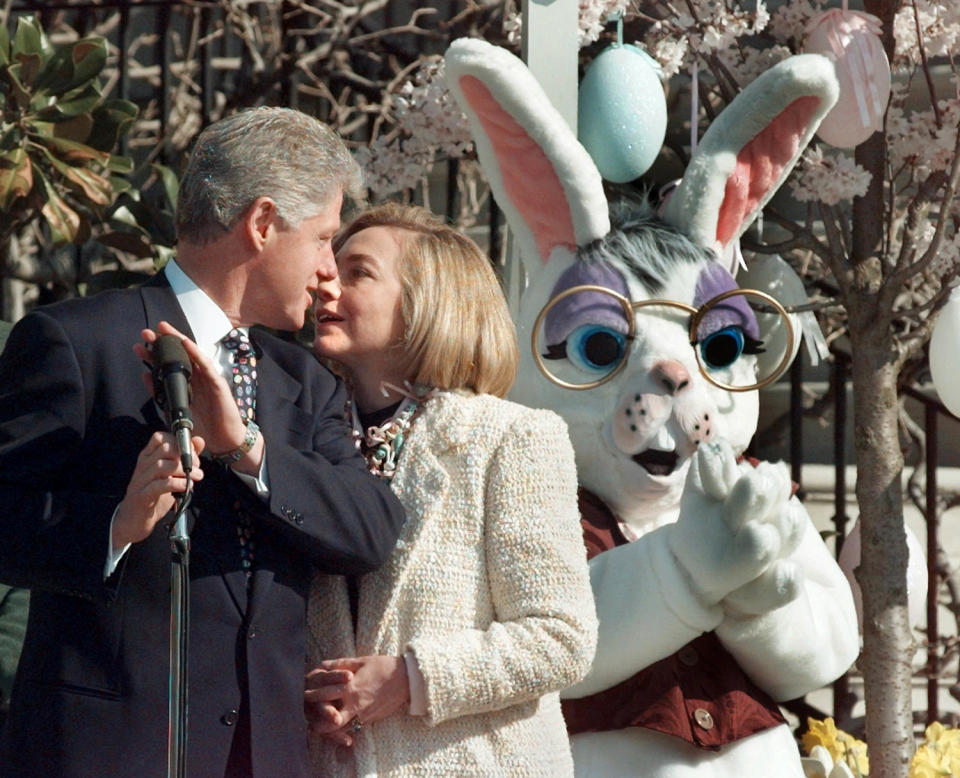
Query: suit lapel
x,y
278,416
160,304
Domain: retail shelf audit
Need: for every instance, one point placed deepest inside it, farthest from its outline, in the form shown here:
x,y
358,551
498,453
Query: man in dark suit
x,y
88,474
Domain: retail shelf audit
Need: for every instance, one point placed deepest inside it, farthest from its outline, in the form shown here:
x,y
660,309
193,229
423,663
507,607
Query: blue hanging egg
x,y
622,112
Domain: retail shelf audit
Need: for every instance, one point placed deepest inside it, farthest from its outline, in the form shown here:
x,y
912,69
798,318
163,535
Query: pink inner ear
x,y
760,163
528,176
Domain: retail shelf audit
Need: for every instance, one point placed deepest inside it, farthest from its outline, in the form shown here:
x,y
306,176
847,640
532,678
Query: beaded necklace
x,y
381,445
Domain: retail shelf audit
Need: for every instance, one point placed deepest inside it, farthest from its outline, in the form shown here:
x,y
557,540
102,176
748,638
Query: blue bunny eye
x,y
596,348
722,348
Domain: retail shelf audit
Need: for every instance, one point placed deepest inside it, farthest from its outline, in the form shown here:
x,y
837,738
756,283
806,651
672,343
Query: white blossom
x,y
828,178
592,19
428,124
747,64
940,30
706,27
917,142
594,16
788,22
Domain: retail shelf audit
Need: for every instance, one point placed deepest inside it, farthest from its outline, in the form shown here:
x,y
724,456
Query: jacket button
x,y
252,632
286,511
299,519
230,718
688,656
703,718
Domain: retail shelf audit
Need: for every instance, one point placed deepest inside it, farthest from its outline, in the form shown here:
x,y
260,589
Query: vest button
x,y
688,656
229,718
703,718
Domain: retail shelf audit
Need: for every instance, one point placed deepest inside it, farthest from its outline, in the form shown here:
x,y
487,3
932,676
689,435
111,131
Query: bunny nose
x,y
671,375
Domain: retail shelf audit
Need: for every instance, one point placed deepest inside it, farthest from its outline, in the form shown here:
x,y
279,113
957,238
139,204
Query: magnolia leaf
x,y
70,108
121,216
73,66
120,164
110,121
16,176
63,221
76,129
94,187
128,242
72,152
89,57
171,186
20,95
4,45
29,38
30,66
10,138
119,184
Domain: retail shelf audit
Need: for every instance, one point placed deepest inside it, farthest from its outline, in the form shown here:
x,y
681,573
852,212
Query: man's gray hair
x,y
288,156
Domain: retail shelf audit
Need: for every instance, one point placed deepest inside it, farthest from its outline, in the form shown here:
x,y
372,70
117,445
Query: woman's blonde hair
x,y
457,329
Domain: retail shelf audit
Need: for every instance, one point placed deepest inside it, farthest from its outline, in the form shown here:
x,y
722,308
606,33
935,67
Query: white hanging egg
x,y
852,40
772,274
622,112
944,352
849,559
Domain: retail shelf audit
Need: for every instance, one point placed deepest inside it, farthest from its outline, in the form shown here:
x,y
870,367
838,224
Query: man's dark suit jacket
x,y
91,693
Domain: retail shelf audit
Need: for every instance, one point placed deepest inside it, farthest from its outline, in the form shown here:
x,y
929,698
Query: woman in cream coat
x,y
447,661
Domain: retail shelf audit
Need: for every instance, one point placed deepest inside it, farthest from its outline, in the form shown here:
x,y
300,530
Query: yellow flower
x,y
842,746
855,755
928,762
822,733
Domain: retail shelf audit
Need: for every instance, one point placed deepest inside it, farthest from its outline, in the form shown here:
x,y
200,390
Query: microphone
x,y
171,386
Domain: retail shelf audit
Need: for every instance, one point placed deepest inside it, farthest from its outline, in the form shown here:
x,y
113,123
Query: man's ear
x,y
260,218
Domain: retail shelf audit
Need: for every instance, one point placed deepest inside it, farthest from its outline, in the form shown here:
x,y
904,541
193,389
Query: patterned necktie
x,y
243,378
243,382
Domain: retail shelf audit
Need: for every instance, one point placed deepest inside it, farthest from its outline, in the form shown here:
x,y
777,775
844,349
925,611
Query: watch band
x,y
249,440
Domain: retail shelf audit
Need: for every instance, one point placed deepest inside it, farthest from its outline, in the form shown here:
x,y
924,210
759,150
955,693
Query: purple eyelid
x,y
586,307
735,311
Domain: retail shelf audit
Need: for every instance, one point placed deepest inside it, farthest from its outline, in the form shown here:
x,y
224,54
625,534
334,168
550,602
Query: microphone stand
x,y
179,634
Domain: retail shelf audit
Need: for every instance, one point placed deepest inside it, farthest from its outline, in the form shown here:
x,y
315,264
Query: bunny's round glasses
x,y
581,339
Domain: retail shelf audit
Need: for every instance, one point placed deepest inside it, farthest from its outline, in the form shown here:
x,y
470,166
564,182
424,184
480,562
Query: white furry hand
x,y
736,522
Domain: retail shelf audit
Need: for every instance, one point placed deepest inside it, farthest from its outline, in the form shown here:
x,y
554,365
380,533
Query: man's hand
x,y
157,478
212,405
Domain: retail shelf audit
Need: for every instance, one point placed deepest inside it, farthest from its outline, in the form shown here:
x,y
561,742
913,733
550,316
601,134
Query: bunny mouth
x,y
657,462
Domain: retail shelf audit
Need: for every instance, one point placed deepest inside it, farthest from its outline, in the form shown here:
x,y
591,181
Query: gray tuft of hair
x,y
649,248
280,153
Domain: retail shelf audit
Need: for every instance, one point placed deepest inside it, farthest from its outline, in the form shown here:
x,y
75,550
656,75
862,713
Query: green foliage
x,y
57,132
141,222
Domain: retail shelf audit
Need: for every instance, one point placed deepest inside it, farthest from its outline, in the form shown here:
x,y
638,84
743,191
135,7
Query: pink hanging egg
x,y
852,40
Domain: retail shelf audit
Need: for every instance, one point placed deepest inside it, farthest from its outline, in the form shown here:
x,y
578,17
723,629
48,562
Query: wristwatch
x,y
249,440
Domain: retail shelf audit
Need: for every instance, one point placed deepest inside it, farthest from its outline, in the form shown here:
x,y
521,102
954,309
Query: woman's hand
x,y
342,694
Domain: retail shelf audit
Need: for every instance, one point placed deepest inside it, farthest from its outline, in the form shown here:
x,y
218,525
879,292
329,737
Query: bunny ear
x,y
750,149
545,182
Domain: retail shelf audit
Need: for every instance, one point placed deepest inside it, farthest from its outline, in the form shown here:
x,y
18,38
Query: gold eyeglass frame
x,y
630,309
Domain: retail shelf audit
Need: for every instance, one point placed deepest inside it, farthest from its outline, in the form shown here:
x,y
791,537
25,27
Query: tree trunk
x,y
888,646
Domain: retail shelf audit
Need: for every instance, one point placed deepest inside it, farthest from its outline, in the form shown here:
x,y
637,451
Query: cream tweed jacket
x,y
488,586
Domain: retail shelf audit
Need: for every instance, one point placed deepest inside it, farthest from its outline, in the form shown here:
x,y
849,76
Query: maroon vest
x,y
699,693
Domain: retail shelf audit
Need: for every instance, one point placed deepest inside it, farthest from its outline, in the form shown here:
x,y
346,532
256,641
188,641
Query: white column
x,y
550,50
